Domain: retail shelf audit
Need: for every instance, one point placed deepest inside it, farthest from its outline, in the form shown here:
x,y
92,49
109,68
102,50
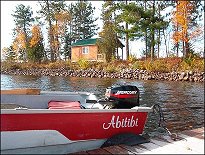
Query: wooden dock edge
x,y
189,142
22,91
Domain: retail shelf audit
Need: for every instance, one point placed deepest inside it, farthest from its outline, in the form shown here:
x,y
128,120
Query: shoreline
x,y
137,74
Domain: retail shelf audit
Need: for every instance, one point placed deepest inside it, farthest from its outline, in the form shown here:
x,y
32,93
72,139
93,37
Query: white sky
x,y
7,24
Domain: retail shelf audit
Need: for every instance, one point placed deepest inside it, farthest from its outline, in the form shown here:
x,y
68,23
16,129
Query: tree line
x,y
126,20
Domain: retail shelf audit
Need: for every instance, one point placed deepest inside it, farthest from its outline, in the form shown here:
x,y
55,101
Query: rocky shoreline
x,y
124,74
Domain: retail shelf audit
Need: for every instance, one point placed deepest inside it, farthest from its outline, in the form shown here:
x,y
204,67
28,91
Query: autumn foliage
x,y
58,29
20,41
181,20
36,35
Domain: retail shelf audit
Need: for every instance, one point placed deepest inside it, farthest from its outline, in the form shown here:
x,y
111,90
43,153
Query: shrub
x,y
56,65
83,64
98,65
197,65
138,65
69,64
184,66
132,58
28,65
111,69
7,65
159,66
52,65
148,65
173,63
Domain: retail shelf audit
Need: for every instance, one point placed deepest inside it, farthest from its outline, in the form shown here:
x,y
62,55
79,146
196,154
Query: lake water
x,y
182,102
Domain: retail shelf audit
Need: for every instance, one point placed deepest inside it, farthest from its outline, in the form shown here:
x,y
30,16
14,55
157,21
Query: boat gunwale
x,y
41,111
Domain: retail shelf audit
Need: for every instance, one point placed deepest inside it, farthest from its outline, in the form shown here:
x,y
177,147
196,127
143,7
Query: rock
x,y
170,79
124,73
195,79
191,79
190,72
186,77
182,76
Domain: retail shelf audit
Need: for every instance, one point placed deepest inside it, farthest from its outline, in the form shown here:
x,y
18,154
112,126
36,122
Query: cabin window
x,y
85,50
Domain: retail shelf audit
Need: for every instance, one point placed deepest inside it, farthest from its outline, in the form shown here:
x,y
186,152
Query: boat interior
x,y
48,100
23,99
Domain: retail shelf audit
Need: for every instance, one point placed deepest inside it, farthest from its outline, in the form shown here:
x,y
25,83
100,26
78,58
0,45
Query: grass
x,y
158,65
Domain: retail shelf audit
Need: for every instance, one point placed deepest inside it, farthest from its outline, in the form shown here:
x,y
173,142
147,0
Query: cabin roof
x,y
91,41
83,42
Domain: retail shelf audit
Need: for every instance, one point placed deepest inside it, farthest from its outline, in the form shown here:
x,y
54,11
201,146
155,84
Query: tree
x,y
130,14
109,41
9,54
23,18
48,11
69,37
83,22
36,49
143,24
80,25
152,23
19,44
187,29
59,30
67,46
126,37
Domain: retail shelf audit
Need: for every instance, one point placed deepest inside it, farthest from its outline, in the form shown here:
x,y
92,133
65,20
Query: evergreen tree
x,y
9,54
143,23
109,41
83,22
60,29
48,11
151,24
67,47
23,19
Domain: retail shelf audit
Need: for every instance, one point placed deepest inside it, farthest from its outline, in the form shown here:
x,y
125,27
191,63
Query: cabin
x,y
87,49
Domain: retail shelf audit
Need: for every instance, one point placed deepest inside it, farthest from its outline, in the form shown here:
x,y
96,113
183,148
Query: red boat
x,y
66,122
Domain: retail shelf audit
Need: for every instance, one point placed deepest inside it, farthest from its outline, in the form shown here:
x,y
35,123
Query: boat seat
x,y
64,104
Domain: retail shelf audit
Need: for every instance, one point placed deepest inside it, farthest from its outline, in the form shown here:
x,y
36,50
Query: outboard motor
x,y
124,96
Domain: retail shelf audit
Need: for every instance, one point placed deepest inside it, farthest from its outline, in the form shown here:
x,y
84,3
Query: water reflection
x,y
8,81
182,102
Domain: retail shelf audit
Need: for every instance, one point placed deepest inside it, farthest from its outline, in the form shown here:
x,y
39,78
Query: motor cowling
x,y
125,96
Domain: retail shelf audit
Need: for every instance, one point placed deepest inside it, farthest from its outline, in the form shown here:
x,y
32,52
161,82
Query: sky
x,y
7,25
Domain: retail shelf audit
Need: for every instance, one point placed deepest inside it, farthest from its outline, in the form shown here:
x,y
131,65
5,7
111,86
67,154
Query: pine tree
x,y
130,15
23,19
109,41
62,19
83,22
48,11
67,46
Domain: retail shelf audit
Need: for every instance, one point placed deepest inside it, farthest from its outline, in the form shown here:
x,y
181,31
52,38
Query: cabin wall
x,y
77,53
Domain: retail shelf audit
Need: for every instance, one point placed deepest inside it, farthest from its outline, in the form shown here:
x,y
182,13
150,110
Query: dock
x,y
187,142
